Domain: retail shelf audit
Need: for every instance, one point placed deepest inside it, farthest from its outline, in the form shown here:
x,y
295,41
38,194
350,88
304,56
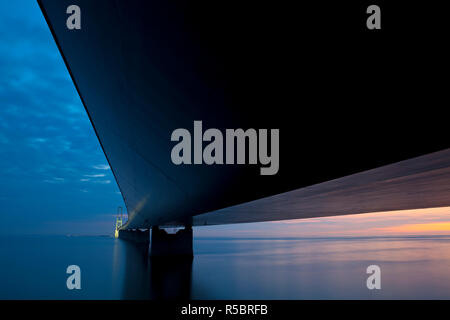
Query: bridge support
x,y
163,244
137,236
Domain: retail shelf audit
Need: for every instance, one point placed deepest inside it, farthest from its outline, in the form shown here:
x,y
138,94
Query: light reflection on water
x,y
332,268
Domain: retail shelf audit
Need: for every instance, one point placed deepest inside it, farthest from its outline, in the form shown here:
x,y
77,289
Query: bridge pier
x,y
163,244
136,236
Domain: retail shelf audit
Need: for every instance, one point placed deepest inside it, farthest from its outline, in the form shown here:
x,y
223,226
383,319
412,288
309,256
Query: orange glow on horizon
x,y
429,221
419,228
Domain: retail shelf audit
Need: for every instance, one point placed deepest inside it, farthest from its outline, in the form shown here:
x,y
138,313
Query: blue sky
x,y
54,177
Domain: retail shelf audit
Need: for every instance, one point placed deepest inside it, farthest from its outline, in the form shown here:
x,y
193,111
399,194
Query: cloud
x,y
47,141
99,175
103,181
39,140
101,167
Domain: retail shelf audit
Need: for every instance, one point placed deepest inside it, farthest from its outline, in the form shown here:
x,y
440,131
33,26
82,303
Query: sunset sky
x,y
55,178
434,221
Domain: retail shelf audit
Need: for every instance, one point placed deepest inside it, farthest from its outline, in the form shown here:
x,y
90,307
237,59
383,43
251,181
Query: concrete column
x,y
136,236
163,244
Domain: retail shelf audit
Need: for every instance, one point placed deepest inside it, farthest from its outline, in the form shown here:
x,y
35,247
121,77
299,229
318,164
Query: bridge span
x,y
348,140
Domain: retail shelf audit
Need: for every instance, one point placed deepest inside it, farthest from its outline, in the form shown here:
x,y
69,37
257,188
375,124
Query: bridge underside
x,y
350,139
422,182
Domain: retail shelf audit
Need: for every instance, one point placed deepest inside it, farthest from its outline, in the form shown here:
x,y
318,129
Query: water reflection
x,y
171,278
301,268
146,278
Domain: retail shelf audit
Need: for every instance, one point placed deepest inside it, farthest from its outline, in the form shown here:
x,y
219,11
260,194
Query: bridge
x,y
349,140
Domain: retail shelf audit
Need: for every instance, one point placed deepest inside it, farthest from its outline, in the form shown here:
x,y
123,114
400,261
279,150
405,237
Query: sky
x,y
432,221
54,177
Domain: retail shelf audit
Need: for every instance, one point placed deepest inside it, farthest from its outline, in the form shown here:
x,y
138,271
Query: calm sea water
x,y
34,267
